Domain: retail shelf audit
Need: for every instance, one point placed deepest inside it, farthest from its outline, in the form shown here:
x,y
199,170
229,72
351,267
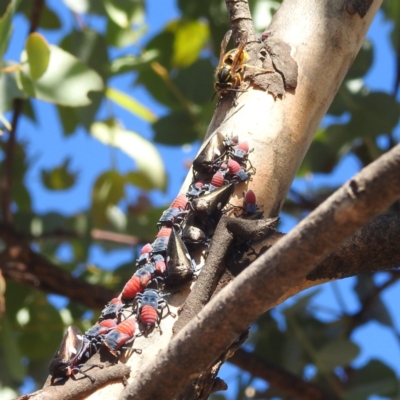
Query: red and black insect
x,y
75,349
159,263
124,333
180,266
241,151
216,181
112,310
213,151
161,242
97,331
149,307
174,215
196,189
138,282
250,204
144,256
237,172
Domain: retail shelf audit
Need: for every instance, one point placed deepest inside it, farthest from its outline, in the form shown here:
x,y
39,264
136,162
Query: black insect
x,y
213,151
75,349
192,232
180,267
210,203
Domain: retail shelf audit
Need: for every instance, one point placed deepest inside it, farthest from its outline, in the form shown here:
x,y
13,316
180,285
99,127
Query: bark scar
x,y
358,6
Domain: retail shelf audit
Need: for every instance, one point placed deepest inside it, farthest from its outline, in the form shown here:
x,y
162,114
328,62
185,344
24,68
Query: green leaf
x,y
67,81
38,52
10,353
373,114
125,12
89,47
365,288
71,117
196,81
59,178
123,37
130,104
6,26
139,179
336,353
48,19
362,62
144,153
186,52
175,129
9,90
85,6
42,328
374,378
130,62
108,190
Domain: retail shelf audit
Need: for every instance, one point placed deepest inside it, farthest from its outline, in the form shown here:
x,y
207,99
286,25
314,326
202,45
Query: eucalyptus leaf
x,y
38,52
59,178
144,153
175,129
374,378
67,80
336,353
130,104
9,90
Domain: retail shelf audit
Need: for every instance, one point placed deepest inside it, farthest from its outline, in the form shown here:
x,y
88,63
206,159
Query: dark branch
x,y
7,177
272,275
240,19
21,264
286,382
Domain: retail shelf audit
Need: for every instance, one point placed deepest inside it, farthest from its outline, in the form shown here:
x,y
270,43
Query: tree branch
x,y
284,381
21,264
7,177
273,274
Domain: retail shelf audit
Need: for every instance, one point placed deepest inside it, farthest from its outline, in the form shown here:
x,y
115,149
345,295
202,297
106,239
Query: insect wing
x,y
211,151
224,44
214,201
179,266
70,349
239,52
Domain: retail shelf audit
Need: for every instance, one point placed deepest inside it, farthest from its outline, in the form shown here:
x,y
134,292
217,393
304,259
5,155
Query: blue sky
x,y
49,148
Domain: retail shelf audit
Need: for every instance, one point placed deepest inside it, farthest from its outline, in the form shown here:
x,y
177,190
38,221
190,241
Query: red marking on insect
x,y
244,146
161,267
148,316
199,184
164,232
234,166
179,202
122,334
217,180
146,249
134,286
250,197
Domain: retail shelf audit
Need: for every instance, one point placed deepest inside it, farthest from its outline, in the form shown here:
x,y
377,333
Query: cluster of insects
x,y
190,221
